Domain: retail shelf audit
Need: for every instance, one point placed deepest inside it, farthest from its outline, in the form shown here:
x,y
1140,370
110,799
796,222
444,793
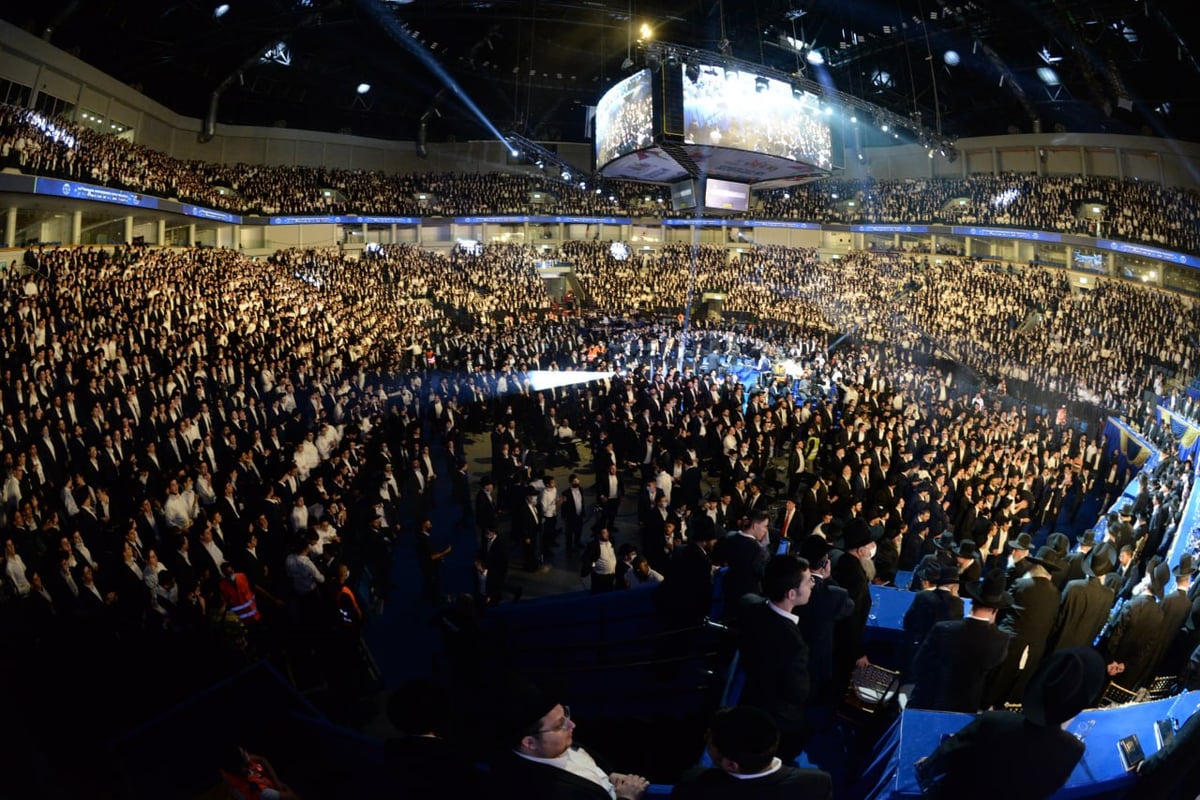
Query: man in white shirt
x,y
544,761
600,561
548,504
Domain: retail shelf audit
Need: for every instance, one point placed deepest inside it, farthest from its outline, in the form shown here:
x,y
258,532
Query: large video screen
x,y
726,195
624,118
683,195
744,111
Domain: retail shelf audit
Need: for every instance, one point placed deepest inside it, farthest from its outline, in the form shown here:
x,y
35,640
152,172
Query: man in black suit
x,y
952,665
744,553
1136,633
1073,569
742,743
1085,603
1127,575
493,560
609,491
543,762
574,510
826,608
1068,682
486,506
937,602
850,572
686,593
1029,622
774,654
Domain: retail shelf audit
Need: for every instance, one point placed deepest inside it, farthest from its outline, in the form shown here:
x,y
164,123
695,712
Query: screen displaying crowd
x,y
726,108
624,118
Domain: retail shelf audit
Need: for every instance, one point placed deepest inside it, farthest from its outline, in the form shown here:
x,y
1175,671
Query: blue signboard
x,y
531,220
212,214
390,220
1007,233
1146,251
889,228
98,194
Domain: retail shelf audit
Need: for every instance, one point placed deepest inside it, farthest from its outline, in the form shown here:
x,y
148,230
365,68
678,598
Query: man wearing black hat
x,y
1175,609
953,663
1015,563
942,555
1028,621
964,765
790,524
742,743
970,564
853,571
1074,561
1136,632
937,602
543,762
1086,603
1060,544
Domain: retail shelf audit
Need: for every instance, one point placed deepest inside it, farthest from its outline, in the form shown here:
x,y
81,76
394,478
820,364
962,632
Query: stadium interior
x,y
377,372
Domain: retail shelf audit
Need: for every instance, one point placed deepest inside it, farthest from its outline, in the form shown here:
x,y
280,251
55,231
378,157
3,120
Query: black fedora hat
x,y
1046,558
1022,542
855,534
1065,684
1184,567
944,541
1159,577
1099,561
989,592
966,549
1087,537
947,575
1059,542
814,549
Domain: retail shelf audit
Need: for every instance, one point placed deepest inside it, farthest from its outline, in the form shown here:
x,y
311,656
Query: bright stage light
x,y
541,379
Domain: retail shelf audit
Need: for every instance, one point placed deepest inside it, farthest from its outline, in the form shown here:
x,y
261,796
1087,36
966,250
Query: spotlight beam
x,y
376,10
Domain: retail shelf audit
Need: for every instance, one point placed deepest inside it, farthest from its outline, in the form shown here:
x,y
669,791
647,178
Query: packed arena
x,y
1133,210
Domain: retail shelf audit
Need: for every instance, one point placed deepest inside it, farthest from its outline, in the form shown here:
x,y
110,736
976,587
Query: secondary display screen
x,y
744,111
726,194
624,118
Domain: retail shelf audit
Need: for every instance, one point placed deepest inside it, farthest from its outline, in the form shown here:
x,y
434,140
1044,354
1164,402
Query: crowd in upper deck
x,y
1130,210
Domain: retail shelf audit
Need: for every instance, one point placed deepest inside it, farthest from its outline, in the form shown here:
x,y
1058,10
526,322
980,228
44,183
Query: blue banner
x,y
212,214
1146,251
1006,233
889,228
1132,449
97,194
1186,431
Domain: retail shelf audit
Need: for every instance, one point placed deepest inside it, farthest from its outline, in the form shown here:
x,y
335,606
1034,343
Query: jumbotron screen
x,y
624,118
744,111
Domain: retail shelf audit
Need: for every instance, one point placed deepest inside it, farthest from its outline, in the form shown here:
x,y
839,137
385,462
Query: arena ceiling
x,y
974,68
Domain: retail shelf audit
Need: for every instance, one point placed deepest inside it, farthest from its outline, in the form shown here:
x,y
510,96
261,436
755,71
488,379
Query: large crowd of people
x,y
199,446
1131,210
203,447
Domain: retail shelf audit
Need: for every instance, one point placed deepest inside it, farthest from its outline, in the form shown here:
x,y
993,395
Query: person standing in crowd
x,y
774,653
1065,684
953,663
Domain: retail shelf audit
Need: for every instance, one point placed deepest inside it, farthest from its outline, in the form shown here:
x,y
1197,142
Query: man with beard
x,y
853,570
